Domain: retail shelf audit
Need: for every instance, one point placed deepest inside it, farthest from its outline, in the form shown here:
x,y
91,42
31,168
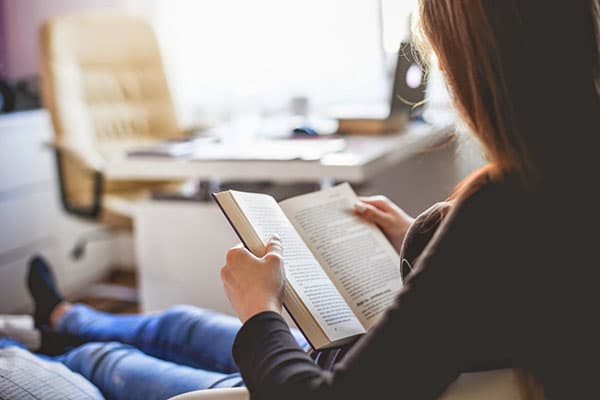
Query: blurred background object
x,y
20,95
406,99
106,92
243,71
222,58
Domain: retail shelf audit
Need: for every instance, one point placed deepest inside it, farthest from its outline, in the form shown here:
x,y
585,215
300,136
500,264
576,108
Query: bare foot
x,y
58,311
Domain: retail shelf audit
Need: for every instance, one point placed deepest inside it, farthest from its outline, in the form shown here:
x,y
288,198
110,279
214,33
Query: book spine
x,y
247,248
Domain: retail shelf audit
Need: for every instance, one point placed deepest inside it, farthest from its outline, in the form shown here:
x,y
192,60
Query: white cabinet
x,y
31,218
27,202
180,248
24,163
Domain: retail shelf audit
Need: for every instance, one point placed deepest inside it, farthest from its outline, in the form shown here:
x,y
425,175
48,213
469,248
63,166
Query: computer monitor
x,y
405,101
410,83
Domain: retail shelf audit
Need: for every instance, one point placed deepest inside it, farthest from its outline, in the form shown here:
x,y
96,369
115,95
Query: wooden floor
x,y
117,293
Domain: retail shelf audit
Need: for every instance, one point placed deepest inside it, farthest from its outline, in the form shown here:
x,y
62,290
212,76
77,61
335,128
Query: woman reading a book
x,y
499,276
509,277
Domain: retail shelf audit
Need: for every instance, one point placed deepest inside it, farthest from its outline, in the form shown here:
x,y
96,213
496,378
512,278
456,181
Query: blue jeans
x,y
154,356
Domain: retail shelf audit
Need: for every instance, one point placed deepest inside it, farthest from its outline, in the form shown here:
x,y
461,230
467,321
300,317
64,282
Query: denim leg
x,y
123,372
8,342
183,334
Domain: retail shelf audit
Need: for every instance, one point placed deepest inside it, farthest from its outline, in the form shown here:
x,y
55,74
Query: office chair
x,y
502,384
105,88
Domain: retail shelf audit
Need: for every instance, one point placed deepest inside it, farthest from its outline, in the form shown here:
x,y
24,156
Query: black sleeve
x,y
424,341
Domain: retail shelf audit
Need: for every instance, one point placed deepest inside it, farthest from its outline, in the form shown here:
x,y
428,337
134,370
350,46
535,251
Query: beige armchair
x,y
503,384
105,88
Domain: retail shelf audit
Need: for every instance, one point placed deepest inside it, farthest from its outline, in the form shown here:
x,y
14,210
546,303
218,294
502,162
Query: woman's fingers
x,y
239,255
393,221
381,202
373,214
253,284
273,249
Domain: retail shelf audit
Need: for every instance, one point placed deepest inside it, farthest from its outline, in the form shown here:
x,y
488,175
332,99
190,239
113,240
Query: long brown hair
x,y
523,76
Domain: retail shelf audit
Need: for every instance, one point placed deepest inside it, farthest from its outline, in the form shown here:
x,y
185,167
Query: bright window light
x,y
240,54
395,22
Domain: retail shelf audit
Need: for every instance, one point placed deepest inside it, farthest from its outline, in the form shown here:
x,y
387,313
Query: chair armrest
x,y
87,159
215,394
91,164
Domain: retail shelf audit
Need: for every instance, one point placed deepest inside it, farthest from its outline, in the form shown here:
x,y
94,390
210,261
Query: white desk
x,y
363,158
180,245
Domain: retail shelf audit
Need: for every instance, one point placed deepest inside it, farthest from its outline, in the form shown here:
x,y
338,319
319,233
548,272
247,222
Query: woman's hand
x,y
253,284
390,218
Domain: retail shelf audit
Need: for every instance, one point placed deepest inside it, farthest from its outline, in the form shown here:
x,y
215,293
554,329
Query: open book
x,y
341,272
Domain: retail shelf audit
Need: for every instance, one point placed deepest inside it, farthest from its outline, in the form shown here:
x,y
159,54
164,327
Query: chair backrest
x,y
104,81
104,85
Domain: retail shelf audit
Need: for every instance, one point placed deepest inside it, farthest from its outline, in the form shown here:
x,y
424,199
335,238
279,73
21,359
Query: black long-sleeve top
x,y
505,281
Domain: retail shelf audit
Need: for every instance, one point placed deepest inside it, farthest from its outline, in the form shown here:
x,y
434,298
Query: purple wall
x,y
2,41
19,26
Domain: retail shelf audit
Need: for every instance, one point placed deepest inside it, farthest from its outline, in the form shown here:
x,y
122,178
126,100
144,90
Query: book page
x,y
302,270
356,255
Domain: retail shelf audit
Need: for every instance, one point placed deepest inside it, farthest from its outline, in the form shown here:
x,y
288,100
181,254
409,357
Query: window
x,y
225,56
239,54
